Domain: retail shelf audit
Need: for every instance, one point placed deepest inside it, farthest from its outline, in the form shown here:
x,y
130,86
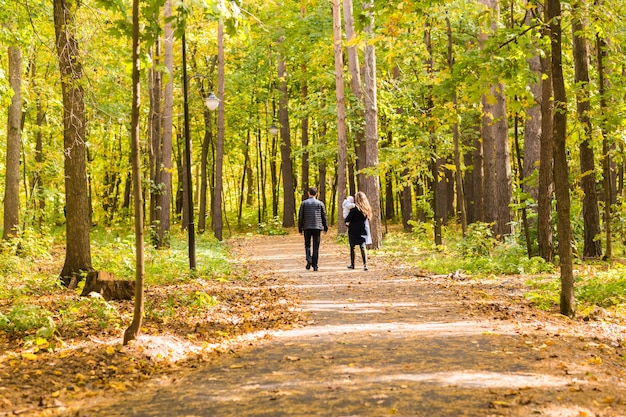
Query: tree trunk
x,y
132,331
607,184
357,90
155,119
78,221
289,208
341,113
591,215
546,161
38,188
460,194
216,206
371,126
532,125
14,138
165,196
561,170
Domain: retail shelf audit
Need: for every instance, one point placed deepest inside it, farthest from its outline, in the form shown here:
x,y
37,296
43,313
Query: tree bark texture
x,y
341,114
357,90
371,127
216,205
546,161
14,138
78,221
591,215
165,197
561,169
607,183
133,330
532,122
289,208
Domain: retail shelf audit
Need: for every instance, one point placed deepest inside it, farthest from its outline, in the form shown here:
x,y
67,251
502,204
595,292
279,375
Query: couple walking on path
x,y
312,220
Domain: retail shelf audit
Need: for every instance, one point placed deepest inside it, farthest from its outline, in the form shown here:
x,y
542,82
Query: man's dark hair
x,y
312,191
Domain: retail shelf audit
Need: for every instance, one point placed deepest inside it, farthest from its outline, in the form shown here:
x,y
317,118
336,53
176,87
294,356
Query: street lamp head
x,y
273,129
212,102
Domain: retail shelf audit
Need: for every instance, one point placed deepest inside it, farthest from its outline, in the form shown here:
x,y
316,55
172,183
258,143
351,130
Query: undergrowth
x,y
479,254
36,309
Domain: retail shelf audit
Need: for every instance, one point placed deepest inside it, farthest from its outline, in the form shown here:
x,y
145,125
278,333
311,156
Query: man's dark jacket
x,y
312,215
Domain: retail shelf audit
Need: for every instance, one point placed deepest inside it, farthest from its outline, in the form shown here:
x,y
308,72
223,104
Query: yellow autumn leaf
x,y
56,394
118,385
29,356
110,350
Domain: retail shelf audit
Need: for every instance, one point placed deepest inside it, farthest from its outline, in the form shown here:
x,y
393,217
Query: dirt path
x,y
384,343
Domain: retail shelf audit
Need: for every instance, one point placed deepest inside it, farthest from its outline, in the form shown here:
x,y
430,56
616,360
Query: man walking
x,y
311,222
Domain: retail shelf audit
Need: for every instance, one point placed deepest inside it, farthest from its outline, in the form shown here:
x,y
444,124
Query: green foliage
x,y
92,309
27,318
273,227
479,240
544,292
593,288
603,289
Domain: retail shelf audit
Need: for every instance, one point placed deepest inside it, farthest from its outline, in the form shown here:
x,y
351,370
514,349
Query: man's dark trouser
x,y
315,234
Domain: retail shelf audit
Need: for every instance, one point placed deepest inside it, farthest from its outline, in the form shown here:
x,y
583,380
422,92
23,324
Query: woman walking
x,y
357,220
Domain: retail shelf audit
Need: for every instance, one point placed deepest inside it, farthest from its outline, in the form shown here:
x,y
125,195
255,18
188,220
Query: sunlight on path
x,y
375,344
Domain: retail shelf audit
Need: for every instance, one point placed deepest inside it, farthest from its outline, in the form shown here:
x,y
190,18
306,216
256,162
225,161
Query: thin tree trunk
x,y
38,189
289,208
532,125
357,90
133,330
14,138
460,194
546,161
608,189
561,169
165,197
216,206
78,221
591,215
341,112
155,119
371,126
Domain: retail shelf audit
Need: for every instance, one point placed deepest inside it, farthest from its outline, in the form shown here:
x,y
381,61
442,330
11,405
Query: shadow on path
x,y
375,344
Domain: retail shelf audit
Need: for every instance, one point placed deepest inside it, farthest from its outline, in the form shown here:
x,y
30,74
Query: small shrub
x,y
478,241
26,318
273,227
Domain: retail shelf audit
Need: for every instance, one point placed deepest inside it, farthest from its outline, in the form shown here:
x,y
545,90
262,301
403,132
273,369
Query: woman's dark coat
x,y
356,227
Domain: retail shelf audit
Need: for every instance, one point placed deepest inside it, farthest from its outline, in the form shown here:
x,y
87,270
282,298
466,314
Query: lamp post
x,y
273,129
211,102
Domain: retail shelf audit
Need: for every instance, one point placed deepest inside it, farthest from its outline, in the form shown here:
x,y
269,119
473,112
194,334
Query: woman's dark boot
x,y
351,266
363,256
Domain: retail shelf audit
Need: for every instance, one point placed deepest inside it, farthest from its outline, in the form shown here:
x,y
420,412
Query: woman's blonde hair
x,y
362,203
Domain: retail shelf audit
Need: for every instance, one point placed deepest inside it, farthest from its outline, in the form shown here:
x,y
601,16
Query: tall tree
x,y
496,147
561,169
132,331
289,204
607,183
591,215
341,112
372,183
165,177
216,210
460,195
14,138
78,219
532,121
546,156
356,88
